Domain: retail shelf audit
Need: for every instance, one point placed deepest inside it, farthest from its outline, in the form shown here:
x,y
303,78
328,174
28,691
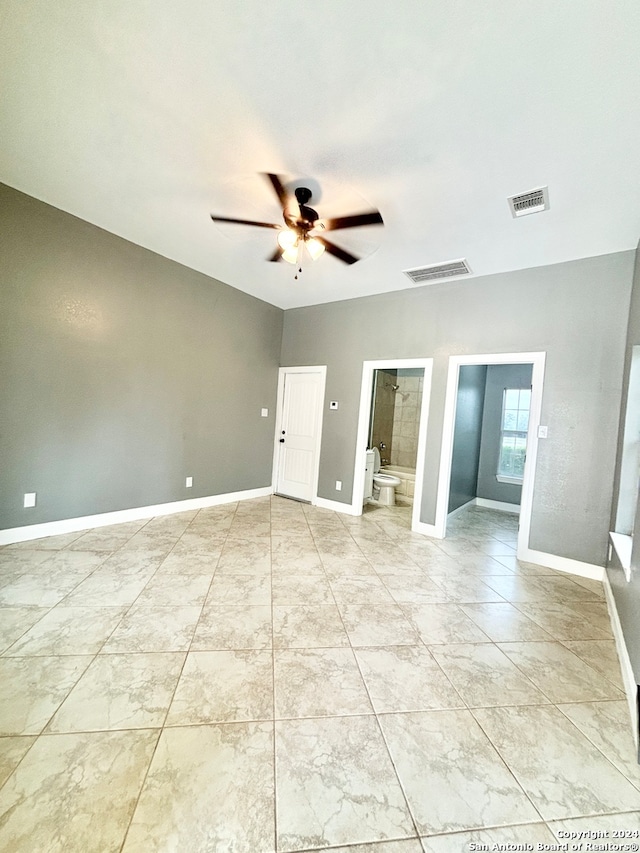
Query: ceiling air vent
x,y
450,269
532,202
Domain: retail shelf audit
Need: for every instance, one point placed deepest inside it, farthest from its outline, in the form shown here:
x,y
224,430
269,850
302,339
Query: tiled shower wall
x,y
383,413
406,417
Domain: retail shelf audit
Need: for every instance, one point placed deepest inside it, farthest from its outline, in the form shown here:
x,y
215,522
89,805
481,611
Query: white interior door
x,y
298,438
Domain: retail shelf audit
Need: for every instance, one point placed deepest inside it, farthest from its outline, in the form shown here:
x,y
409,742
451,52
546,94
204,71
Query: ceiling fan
x,y
303,227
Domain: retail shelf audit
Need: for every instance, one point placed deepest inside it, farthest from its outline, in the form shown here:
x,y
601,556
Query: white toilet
x,y
385,482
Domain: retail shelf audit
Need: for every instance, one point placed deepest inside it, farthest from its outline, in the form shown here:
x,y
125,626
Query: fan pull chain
x,y
295,278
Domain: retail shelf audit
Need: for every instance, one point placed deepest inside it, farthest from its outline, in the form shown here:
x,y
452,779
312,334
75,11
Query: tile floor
x,y
268,676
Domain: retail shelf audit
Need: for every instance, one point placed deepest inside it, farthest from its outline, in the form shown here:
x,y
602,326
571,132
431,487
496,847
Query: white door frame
x,y
537,359
366,392
282,372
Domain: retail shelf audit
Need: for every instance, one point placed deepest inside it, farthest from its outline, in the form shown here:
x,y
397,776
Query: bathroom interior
x,y
394,424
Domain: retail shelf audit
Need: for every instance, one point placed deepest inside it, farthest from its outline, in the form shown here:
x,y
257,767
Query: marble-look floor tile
x,y
298,626
75,792
33,689
443,623
157,544
239,589
245,557
68,631
130,691
223,686
339,567
131,562
335,784
168,589
377,625
16,621
601,655
405,678
416,590
484,676
452,775
301,589
102,539
109,586
360,589
190,563
318,683
594,612
209,788
154,629
39,590
200,542
504,622
563,622
563,774
21,560
233,626
608,726
409,845
542,663
12,751
489,839
467,590
63,561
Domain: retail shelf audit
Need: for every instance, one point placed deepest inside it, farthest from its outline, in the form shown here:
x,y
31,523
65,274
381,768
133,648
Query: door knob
x,y
282,441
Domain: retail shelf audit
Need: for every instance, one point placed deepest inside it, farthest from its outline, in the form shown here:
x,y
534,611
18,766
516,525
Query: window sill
x,y
516,481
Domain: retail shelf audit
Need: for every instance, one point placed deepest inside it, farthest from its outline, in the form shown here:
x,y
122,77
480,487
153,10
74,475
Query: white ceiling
x,y
144,117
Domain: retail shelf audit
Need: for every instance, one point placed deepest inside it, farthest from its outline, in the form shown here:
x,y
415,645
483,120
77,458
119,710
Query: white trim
x,y
623,543
336,506
425,529
562,564
322,370
515,481
537,360
366,390
462,508
502,506
85,522
628,678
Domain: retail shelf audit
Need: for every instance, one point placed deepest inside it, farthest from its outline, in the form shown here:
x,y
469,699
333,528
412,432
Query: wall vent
x,y
532,202
450,269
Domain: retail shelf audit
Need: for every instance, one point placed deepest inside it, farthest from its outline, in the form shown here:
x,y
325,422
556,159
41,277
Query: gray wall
x,y
123,373
467,435
576,312
627,594
499,377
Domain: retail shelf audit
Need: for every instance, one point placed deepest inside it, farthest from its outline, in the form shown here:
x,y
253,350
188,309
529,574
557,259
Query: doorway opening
x,y
490,437
394,403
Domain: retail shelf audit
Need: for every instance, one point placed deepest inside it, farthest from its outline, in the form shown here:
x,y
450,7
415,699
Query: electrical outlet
x,y
338,485
29,500
189,482
264,413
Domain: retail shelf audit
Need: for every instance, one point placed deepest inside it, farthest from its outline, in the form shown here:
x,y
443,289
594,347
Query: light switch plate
x,y
264,413
542,431
338,485
29,500
189,482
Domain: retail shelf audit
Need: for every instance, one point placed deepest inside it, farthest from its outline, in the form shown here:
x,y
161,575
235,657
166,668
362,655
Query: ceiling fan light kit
x,y
302,225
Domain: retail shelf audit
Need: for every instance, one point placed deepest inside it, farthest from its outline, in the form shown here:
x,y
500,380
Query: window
x,y
516,403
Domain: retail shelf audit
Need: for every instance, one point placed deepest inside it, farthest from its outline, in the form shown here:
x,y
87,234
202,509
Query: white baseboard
x,y
336,506
460,509
562,564
72,525
500,505
628,678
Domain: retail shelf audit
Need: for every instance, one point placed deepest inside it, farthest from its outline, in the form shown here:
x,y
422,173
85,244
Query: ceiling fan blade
x,y
337,252
371,218
277,255
244,221
279,189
